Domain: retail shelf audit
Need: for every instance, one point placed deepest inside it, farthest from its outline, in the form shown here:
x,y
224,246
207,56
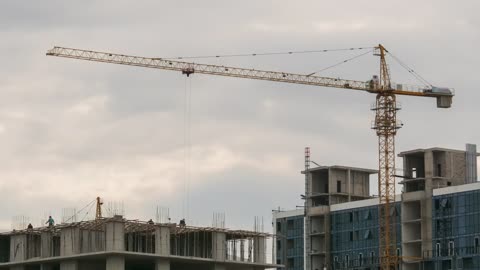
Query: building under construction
x,y
436,218
117,244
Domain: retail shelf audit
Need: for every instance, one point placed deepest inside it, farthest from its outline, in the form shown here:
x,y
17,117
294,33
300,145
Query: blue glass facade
x,y
456,231
354,237
290,249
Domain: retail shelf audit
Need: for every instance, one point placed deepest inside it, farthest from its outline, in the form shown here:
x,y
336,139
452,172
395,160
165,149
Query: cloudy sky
x,y
73,130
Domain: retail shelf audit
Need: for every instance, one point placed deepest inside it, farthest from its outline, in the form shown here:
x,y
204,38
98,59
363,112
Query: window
x,y
360,259
393,211
438,248
339,186
444,203
476,245
372,257
367,215
355,235
350,216
439,169
414,172
451,248
279,226
335,259
366,235
351,236
398,252
279,244
346,260
290,224
290,243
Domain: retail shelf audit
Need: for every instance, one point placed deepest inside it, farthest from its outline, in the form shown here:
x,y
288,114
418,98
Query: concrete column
x,y
259,249
18,245
162,240
350,188
219,251
46,267
115,234
219,267
18,267
69,265
115,263
46,244
162,264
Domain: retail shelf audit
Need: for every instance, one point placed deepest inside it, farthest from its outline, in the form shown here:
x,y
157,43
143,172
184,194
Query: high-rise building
x,y
436,214
288,228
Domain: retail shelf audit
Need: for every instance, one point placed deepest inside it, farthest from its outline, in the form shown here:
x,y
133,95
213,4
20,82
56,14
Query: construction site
x,y
117,243
431,223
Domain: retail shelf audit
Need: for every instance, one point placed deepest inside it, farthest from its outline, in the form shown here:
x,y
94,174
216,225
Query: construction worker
x,y
30,226
150,222
182,222
50,221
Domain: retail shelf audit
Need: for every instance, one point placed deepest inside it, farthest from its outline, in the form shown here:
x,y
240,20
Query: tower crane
x,y
98,210
385,123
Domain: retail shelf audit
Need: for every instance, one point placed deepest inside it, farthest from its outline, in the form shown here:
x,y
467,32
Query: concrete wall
x,y
162,240
46,244
92,241
219,246
18,245
69,265
69,241
260,250
115,235
115,263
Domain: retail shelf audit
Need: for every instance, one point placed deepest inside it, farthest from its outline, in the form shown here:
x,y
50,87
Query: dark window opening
x,y
439,169
290,225
339,186
477,245
279,226
290,243
451,248
360,259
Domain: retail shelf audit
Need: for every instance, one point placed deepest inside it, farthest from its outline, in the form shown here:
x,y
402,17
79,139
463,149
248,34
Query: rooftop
x,y
423,150
340,167
137,226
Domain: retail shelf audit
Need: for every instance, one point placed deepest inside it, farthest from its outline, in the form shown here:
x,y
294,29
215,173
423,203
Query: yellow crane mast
x,y
385,124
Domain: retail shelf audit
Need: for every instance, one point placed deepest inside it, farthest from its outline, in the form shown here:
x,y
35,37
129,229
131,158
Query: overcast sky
x,y
73,130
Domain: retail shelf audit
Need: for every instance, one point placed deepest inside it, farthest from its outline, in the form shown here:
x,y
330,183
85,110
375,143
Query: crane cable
x,y
339,63
263,54
90,203
187,146
410,70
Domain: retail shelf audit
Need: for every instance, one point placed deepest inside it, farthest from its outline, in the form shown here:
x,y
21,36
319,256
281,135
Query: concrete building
x,y
437,214
327,186
118,244
289,232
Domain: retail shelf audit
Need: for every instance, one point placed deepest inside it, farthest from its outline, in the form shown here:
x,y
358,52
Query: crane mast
x,y
385,124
